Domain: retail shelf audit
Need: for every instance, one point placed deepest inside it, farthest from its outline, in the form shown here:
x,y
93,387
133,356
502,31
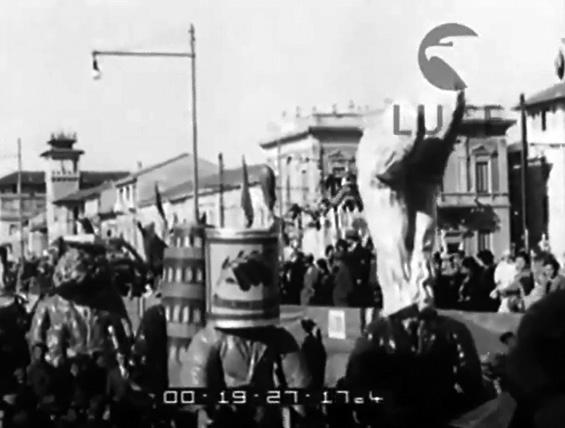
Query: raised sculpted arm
x,y
398,177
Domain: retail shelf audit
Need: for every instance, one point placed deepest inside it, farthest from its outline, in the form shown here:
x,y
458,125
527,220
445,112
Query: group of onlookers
x,y
511,284
344,277
85,391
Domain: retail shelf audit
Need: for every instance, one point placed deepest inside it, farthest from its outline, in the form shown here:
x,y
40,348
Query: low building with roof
x,y
40,191
178,201
139,186
545,119
113,206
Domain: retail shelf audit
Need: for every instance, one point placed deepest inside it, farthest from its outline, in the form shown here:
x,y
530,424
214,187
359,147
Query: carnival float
x,y
219,292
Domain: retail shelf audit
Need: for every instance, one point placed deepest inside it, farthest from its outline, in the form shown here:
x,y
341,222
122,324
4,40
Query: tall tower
x,y
62,177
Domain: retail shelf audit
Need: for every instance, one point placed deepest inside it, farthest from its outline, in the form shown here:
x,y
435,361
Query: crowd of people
x,y
483,284
84,391
346,277
98,391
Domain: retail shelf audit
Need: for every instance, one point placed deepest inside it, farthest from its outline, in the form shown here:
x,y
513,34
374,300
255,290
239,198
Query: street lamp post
x,y
152,54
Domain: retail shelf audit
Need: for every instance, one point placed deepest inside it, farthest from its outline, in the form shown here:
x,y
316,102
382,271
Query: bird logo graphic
x,y
435,70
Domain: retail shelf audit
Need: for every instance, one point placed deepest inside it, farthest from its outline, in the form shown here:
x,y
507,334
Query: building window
x,y
481,177
544,120
483,240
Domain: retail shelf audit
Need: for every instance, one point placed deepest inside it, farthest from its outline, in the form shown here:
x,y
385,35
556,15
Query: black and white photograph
x,y
282,214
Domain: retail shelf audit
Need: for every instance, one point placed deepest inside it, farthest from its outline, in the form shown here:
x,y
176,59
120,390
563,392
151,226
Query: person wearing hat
x,y
359,261
83,295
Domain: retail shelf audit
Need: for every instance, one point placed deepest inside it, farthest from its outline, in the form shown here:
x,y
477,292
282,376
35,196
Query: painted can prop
x,y
183,293
242,288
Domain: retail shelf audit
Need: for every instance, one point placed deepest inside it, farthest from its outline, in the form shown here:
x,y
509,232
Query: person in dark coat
x,y
311,279
424,366
487,281
359,263
323,294
555,281
343,277
534,369
470,291
297,269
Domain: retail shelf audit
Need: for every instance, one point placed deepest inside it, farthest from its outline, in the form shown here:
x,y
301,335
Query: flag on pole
x,y
560,64
246,203
163,228
158,201
268,186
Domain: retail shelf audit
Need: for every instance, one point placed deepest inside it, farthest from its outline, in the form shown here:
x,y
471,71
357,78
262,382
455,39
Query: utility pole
x,y
524,171
154,54
221,195
20,201
195,184
280,186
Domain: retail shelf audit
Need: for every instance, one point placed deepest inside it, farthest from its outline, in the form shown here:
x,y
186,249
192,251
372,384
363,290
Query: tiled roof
x,y
84,194
28,177
548,95
87,178
133,175
232,179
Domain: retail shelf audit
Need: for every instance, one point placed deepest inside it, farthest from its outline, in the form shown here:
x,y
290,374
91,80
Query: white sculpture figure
x,y
398,178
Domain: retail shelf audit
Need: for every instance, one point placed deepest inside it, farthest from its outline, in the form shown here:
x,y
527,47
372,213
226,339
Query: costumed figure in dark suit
x,y
242,345
83,313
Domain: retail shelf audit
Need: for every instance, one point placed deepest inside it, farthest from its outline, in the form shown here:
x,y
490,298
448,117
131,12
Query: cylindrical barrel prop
x,y
242,288
183,292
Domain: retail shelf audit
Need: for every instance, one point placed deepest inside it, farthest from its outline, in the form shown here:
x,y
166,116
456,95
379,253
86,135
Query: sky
x,y
255,59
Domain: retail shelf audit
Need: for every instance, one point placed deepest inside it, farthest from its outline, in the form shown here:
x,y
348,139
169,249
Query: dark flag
x,y
158,202
246,203
268,186
163,226
86,225
560,65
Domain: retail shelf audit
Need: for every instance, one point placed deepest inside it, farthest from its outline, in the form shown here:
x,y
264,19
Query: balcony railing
x,y
471,198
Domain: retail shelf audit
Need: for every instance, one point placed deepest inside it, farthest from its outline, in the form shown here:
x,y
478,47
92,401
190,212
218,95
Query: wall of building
x,y
126,196
91,207
60,181
555,156
10,211
546,136
460,188
209,204
554,130
300,163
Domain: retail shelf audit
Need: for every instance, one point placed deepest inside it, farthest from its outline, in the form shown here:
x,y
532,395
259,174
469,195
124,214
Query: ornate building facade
x,y
474,205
